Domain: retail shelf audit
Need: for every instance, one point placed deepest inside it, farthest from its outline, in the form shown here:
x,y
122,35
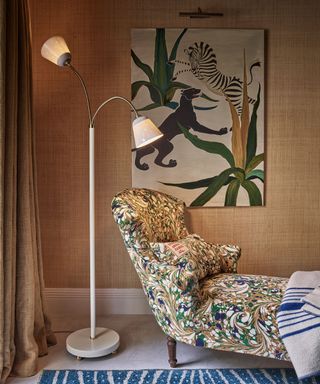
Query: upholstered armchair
x,y
192,286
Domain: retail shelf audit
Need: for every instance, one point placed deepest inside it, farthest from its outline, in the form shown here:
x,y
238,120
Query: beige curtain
x,y
25,331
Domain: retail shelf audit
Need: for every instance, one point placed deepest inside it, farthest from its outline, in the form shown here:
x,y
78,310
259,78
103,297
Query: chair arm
x,y
229,257
172,290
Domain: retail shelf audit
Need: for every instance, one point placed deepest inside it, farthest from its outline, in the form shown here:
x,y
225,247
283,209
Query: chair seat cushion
x,y
238,313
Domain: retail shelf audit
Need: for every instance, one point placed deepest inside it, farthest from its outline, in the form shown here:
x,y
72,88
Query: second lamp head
x,y
56,50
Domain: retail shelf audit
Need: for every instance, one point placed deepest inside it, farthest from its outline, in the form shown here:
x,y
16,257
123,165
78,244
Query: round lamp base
x,y
79,343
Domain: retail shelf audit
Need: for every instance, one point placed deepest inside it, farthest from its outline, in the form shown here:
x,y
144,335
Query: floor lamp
x,y
95,341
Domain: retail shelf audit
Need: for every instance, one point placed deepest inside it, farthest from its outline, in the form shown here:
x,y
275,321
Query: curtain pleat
x,y
25,329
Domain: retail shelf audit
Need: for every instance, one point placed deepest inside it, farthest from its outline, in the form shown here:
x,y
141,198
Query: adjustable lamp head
x,y
144,131
56,50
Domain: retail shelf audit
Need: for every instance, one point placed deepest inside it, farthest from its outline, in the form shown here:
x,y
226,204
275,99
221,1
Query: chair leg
x,y
172,348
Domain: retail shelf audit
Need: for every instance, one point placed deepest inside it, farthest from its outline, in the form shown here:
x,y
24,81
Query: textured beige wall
x,y
276,239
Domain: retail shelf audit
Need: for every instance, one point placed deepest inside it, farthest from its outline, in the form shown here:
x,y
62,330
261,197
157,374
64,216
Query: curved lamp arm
x,y
145,132
83,84
92,117
110,99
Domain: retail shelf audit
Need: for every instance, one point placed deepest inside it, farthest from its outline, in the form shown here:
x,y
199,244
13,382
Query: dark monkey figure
x,y
184,115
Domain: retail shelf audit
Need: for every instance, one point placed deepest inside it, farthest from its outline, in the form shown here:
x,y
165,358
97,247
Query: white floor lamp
x,y
95,341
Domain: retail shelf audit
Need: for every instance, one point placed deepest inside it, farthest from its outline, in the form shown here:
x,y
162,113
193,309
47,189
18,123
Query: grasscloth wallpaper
x,y
276,239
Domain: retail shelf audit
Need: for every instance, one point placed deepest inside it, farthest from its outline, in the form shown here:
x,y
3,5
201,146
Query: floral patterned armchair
x,y
221,309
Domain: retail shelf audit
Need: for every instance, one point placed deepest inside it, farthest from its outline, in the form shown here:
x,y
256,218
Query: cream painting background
x,y
193,163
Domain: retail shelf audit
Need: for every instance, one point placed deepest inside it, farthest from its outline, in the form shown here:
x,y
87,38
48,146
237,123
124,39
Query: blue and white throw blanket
x,y
299,322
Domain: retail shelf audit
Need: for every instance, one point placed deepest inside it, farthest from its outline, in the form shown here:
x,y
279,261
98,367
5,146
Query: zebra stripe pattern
x,y
203,64
300,329
177,376
292,319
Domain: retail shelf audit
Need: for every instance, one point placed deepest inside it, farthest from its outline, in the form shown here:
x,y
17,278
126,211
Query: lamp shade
x,y
144,131
56,50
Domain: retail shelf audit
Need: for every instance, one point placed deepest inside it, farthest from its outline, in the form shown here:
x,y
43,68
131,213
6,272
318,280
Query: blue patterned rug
x,y
176,376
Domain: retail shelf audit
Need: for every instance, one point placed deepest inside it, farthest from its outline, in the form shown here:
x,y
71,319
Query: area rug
x,y
175,376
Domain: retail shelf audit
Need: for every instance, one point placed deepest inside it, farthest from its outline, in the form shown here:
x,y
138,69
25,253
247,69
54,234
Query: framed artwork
x,y
204,88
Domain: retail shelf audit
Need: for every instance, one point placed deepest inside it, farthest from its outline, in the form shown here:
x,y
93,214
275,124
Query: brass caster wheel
x,y
79,358
114,352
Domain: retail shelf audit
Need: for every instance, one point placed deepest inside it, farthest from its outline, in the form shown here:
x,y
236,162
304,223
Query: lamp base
x,y
79,343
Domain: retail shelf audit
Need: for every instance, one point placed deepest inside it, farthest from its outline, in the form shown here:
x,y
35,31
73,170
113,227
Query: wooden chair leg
x,y
172,348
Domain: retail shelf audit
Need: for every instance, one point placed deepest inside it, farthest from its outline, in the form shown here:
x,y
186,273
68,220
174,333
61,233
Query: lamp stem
x,y
91,203
92,236
91,208
92,194
84,90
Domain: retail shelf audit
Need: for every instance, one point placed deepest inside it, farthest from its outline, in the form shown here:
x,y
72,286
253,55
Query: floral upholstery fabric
x,y
226,311
229,256
193,260
191,249
140,226
237,313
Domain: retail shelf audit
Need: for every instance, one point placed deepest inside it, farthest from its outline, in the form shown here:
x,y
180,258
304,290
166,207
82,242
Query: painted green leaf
x,y
212,189
144,67
178,85
198,183
253,192
174,50
161,60
209,146
172,105
160,86
240,174
149,107
173,54
255,174
255,161
232,193
252,134
153,90
204,96
173,87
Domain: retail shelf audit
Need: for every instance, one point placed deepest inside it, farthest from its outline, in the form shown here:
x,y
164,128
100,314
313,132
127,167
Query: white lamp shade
x,y
144,131
56,50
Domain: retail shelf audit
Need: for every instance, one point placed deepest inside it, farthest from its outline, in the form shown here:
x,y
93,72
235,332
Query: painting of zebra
x,y
203,64
204,88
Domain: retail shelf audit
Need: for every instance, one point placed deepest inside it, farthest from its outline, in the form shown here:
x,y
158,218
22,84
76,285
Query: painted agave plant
x,y
160,85
243,160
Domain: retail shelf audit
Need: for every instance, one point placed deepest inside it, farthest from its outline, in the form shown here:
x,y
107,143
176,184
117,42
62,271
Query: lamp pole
x,y
107,341
92,118
95,341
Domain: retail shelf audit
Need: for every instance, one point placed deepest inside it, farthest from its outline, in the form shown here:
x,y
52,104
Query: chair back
x,y
145,216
